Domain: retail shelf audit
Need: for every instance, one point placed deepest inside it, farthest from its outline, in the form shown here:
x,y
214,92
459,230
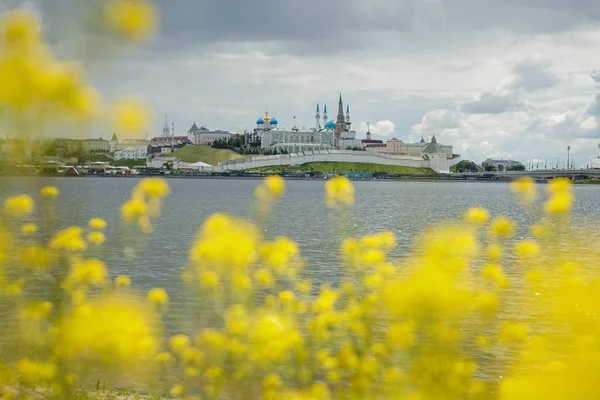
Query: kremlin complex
x,y
335,134
329,140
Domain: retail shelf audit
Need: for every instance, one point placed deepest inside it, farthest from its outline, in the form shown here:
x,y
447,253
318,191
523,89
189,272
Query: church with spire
x,y
327,134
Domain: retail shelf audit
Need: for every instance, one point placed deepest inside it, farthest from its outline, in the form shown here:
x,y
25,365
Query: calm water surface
x,y
402,207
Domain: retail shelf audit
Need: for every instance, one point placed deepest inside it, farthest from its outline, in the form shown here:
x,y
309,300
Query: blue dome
x,y
273,121
260,121
330,125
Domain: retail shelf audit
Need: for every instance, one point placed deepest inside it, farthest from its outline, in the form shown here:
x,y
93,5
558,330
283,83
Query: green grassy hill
x,y
352,167
205,154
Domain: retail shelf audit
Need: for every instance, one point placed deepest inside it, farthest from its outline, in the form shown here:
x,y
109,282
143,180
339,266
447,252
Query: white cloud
x,y
379,128
490,78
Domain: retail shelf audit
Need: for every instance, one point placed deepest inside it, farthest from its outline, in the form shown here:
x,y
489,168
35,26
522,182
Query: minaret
x,y
172,136
324,115
166,132
348,123
317,118
340,123
368,131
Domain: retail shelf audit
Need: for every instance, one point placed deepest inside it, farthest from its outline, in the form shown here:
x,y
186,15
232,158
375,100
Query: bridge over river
x,y
538,174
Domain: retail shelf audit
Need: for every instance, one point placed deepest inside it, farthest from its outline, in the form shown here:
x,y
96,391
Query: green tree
x,y
466,166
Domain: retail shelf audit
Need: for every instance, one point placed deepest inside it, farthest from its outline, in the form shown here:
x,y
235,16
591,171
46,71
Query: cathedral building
x,y
326,135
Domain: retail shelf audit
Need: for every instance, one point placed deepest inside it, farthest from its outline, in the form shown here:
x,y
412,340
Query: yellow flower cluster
x,y
339,190
423,327
131,19
145,203
36,86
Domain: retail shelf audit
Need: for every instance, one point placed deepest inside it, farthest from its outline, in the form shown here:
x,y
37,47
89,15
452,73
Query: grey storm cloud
x,y
319,26
532,76
487,103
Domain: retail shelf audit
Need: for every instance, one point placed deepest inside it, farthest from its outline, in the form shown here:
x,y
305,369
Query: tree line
x,y
470,166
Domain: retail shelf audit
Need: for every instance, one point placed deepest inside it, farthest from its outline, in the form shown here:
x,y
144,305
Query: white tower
x,y
166,131
172,136
324,115
318,118
348,123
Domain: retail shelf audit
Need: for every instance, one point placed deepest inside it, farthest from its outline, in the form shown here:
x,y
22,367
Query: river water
x,y
404,208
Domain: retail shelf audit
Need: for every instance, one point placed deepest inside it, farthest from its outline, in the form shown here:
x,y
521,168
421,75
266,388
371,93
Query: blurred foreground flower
x,y
339,190
131,19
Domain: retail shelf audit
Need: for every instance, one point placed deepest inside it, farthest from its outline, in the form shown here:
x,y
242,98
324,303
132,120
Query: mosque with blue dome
x,y
326,134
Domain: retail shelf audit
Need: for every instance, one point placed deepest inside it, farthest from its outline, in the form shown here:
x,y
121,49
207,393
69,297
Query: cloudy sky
x,y
504,78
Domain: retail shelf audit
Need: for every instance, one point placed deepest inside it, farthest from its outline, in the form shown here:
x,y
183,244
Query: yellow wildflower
x,y
122,281
559,185
264,277
339,190
225,243
133,210
163,357
32,372
483,341
68,239
96,237
116,329
19,29
273,187
494,251
132,19
494,273
176,391
36,256
50,191
527,248
275,184
401,335
92,272
502,227
158,296
477,215
525,189
97,223
154,188
29,229
18,206
131,116
559,203
287,296
512,332
209,279
179,342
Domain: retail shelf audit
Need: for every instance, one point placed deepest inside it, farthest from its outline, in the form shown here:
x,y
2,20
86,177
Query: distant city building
x,y
205,137
162,145
95,146
138,144
130,153
398,147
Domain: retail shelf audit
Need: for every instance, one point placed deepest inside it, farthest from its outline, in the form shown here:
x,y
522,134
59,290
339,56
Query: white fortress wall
x,y
439,163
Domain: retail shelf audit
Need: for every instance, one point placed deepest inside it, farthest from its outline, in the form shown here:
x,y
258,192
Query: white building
x,y
160,162
116,144
95,145
204,137
276,140
130,153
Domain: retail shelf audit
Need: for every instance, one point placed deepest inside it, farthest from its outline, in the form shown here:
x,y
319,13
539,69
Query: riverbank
x,y
259,176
